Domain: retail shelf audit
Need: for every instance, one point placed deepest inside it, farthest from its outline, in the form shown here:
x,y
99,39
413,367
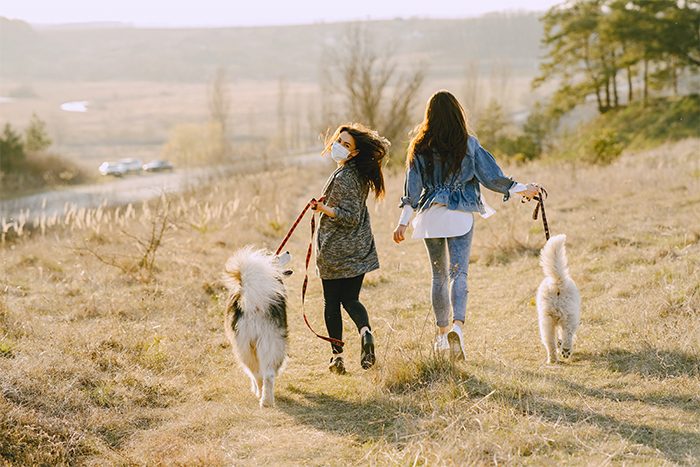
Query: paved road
x,y
131,189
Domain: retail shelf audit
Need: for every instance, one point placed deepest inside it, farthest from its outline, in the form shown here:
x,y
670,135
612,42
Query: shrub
x,y
192,144
40,171
521,148
605,147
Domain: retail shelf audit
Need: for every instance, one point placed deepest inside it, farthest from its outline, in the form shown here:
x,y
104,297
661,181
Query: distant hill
x,y
116,52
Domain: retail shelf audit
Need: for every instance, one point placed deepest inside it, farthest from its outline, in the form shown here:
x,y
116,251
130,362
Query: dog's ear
x,y
284,258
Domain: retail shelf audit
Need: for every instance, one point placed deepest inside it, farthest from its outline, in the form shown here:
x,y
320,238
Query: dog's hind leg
x,y
249,359
567,344
559,337
256,385
548,332
255,382
268,387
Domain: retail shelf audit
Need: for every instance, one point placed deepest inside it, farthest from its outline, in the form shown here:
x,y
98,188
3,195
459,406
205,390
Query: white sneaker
x,y
441,343
454,338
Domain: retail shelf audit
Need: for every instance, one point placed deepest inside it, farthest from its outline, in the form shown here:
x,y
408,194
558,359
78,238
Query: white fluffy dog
x,y
256,316
558,301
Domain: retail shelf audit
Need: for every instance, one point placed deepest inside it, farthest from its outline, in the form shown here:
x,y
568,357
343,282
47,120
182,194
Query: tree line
x,y
595,44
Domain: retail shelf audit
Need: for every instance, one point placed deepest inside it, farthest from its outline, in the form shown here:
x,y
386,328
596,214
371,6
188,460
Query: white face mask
x,y
339,153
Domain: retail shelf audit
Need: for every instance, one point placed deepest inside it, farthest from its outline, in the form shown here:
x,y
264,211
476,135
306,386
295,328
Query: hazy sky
x,y
203,13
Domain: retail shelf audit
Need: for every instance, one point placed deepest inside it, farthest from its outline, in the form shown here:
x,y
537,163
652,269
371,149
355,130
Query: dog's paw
x,y
565,353
552,359
267,401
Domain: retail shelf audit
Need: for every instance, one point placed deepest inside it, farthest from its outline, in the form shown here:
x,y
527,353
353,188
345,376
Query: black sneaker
x,y
367,358
337,365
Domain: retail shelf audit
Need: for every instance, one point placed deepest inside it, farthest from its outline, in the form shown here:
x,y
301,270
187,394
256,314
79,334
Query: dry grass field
x,y
112,351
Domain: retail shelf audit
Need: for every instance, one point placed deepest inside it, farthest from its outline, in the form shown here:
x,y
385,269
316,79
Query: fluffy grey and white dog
x,y
558,301
256,316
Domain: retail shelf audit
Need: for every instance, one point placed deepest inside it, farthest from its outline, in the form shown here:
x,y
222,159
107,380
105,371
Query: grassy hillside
x,y
637,126
113,355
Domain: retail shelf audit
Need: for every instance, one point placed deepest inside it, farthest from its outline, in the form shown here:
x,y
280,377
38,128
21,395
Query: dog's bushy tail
x,y
553,258
255,277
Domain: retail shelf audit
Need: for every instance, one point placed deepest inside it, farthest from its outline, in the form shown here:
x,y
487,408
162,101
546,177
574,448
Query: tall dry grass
x,y
102,365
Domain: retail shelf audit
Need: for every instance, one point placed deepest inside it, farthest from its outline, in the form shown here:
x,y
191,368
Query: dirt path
x,y
130,189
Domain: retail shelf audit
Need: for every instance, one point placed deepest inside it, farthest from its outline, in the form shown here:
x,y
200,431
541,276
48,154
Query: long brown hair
x,y
372,151
442,135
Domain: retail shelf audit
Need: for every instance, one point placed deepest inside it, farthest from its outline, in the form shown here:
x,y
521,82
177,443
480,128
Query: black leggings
x,y
347,292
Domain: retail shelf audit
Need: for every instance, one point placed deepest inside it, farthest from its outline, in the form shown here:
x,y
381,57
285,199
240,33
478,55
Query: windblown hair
x,y
442,135
373,149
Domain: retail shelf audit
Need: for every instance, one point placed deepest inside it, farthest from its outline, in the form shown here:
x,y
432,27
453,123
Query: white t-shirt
x,y
439,222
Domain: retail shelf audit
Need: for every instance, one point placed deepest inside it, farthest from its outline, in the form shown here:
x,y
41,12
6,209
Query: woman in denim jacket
x,y
445,168
345,249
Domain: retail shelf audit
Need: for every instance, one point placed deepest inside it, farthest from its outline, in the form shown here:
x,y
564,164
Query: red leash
x,y
308,258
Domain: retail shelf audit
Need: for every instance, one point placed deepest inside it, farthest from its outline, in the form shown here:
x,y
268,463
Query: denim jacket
x,y
459,192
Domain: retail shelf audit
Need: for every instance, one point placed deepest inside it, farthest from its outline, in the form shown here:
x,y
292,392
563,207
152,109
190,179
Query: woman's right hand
x,y
399,233
531,190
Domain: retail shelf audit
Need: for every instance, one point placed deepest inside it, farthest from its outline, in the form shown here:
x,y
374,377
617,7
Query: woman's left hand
x,y
399,233
321,207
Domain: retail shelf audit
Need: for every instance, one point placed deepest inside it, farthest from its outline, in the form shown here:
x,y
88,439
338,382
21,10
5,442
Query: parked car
x,y
132,165
158,166
112,168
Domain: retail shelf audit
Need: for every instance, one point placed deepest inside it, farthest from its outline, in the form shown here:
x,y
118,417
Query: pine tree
x,y
36,138
591,41
11,150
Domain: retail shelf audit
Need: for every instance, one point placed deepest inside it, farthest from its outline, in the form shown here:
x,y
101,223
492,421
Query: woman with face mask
x,y
345,249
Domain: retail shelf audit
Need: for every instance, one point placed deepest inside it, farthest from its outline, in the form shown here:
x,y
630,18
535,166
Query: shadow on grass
x,y
676,445
393,413
371,420
690,404
649,362
398,415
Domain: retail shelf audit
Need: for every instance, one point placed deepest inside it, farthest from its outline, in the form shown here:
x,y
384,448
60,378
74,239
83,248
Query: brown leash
x,y
311,202
540,197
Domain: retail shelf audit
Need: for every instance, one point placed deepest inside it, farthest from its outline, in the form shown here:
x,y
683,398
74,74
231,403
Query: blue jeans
x,y
449,286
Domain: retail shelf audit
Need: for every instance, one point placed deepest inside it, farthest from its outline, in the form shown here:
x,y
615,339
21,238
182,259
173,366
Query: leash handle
x,y
308,258
540,197
296,222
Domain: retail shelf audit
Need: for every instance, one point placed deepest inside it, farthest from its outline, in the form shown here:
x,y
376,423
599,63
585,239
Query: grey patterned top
x,y
345,244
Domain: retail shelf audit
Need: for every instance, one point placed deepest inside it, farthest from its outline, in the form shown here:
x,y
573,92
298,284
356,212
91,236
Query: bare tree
x,y
252,123
282,113
296,121
219,100
470,87
325,116
500,76
139,264
366,76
